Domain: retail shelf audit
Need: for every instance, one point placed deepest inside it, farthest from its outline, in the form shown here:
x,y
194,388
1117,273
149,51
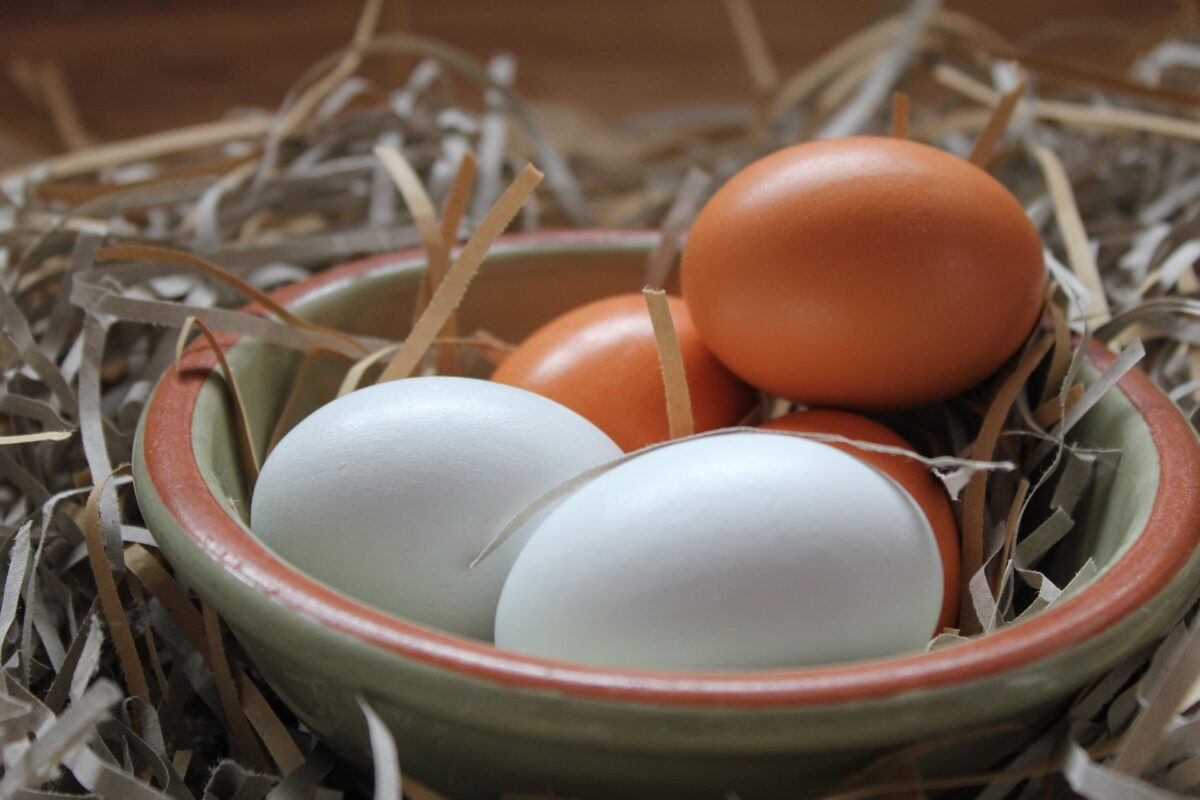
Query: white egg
x,y
737,551
388,493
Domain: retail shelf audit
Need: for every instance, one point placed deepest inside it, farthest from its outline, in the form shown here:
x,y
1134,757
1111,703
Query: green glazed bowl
x,y
473,721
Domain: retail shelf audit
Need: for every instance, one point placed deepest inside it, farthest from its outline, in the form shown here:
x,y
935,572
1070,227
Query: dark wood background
x,y
139,66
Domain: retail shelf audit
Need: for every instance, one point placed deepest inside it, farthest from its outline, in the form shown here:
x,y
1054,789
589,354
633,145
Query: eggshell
x,y
601,360
388,493
912,475
864,273
742,550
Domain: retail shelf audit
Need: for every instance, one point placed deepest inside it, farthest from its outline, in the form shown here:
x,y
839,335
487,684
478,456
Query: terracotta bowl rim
x,y
1155,558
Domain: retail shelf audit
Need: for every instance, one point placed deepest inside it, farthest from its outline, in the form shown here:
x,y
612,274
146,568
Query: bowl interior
x,y
522,286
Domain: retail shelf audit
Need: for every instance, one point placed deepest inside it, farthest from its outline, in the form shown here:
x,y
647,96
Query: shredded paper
x,y
117,682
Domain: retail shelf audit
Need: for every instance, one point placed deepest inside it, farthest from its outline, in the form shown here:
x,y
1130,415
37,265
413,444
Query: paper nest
x,y
117,683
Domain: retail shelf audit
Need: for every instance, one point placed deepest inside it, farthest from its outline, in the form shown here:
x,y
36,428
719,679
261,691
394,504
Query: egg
x,y
736,551
866,273
388,493
601,360
912,475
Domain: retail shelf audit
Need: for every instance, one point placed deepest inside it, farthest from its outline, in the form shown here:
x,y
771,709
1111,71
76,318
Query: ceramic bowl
x,y
473,721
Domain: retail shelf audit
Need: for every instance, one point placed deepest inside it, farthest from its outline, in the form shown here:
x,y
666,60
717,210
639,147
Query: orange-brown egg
x,y
912,475
865,273
601,360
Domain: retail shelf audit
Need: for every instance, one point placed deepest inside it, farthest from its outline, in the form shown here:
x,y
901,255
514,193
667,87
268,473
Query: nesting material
x,y
117,683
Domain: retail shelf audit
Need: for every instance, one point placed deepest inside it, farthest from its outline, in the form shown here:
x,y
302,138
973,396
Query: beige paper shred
x,y
451,291
247,450
73,193
997,124
900,115
853,116
753,45
110,601
1061,359
492,348
82,345
799,88
29,438
46,85
181,761
985,445
68,733
1011,523
147,147
453,210
939,466
267,725
670,359
1139,744
1069,113
356,373
1097,782
247,746
306,103
152,253
838,92
18,568
437,252
493,133
679,216
141,619
1079,252
298,383
1055,409
135,308
456,202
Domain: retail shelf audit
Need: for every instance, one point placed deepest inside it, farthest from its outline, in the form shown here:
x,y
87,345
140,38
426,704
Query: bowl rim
x,y
1147,566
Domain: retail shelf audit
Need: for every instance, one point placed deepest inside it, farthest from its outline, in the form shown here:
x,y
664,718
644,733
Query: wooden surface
x,y
135,67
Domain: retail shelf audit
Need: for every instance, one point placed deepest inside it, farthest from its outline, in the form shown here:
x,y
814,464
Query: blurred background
x,y
117,68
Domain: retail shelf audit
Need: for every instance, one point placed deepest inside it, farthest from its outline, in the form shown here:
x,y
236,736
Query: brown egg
x,y
601,360
912,475
866,273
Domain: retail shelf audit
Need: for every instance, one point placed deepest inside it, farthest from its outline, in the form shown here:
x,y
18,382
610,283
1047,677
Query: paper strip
x,y
298,382
69,732
997,124
1139,743
683,209
239,727
753,46
144,148
44,436
110,601
900,115
159,583
1084,116
452,290
385,757
574,482
1096,782
245,437
982,450
192,261
670,360
851,118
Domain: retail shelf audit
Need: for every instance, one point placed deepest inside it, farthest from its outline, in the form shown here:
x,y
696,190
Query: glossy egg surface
x,y
867,273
